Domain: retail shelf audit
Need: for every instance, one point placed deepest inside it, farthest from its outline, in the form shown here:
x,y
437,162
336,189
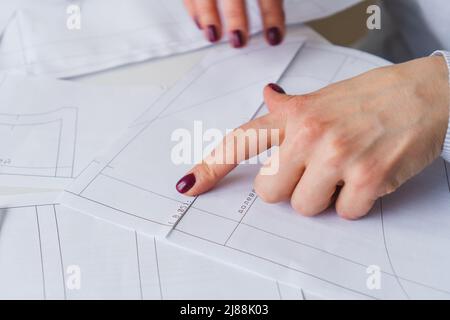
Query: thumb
x,y
275,97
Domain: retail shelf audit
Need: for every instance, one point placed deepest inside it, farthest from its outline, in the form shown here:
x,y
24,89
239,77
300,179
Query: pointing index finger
x,y
243,143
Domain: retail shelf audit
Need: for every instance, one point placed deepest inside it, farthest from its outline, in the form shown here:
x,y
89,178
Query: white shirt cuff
x,y
446,147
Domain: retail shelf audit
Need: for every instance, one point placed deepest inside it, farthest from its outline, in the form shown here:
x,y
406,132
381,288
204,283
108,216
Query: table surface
x,y
163,72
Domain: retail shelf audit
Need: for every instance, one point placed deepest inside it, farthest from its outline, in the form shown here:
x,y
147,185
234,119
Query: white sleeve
x,y
446,147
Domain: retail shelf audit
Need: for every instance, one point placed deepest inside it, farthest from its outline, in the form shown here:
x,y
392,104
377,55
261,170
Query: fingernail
x,y
276,88
186,183
197,23
212,34
237,39
273,36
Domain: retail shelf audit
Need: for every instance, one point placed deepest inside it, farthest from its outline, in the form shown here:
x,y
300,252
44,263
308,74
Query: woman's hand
x,y
364,137
206,15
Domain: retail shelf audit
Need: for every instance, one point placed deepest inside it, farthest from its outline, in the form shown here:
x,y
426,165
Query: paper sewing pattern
x,y
147,29
55,130
48,251
50,131
153,205
326,254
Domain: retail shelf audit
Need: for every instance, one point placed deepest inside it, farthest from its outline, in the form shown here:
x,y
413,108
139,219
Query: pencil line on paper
x,y
157,270
40,252
60,253
138,264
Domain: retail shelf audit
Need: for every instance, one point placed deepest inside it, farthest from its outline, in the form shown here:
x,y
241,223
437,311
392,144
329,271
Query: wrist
x,y
445,61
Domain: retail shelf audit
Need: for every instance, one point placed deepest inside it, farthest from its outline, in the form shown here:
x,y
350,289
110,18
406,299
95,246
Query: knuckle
x,y
274,11
304,100
205,172
366,174
296,103
295,106
291,110
361,180
206,6
266,11
235,14
337,151
312,127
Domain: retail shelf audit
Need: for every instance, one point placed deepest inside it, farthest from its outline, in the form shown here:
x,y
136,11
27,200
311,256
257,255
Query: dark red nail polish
x,y
276,88
186,183
212,34
197,23
273,36
237,39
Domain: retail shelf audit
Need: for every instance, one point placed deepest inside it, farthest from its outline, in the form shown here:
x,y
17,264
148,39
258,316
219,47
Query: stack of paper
x,y
47,250
121,230
113,32
133,186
